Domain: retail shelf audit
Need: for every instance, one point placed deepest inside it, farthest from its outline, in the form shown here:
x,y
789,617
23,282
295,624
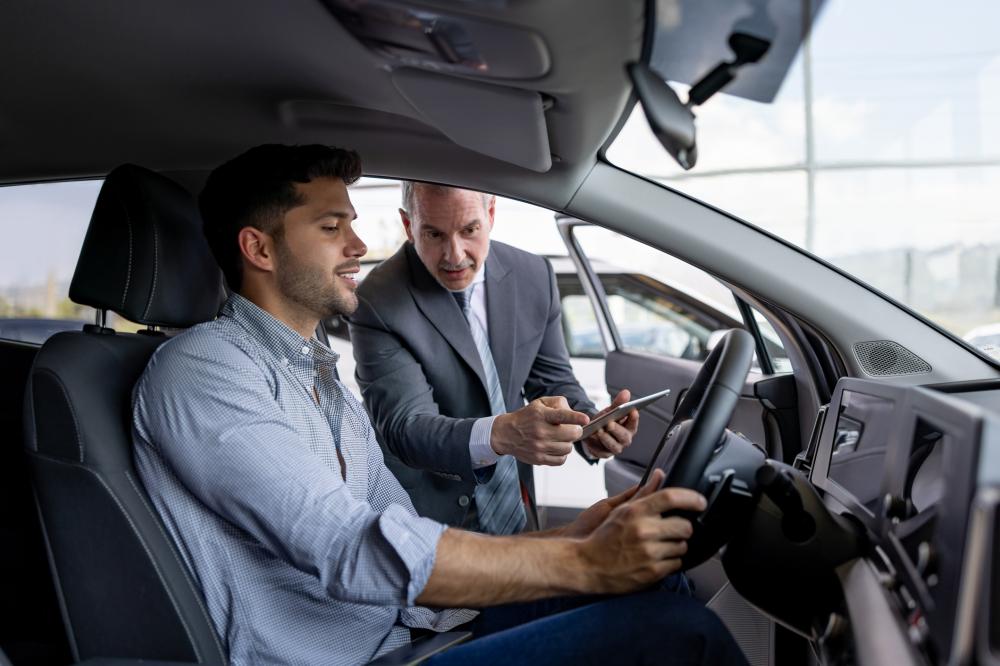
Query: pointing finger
x,y
554,401
566,416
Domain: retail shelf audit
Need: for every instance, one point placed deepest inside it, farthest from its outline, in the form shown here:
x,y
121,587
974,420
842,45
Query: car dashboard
x,y
917,469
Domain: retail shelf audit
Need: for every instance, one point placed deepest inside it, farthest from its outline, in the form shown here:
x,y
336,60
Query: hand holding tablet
x,y
621,411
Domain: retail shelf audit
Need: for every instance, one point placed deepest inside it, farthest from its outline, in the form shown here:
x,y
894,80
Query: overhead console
x,y
413,36
458,74
919,470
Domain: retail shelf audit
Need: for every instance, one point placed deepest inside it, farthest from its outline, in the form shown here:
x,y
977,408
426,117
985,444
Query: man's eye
x,y
329,228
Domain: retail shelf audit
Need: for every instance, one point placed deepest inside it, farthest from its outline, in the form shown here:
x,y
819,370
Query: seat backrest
x,y
123,589
31,629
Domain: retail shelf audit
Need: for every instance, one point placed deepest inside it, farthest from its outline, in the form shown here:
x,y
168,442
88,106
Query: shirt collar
x,y
273,334
480,275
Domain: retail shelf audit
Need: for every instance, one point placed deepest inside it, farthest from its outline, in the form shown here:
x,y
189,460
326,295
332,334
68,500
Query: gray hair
x,y
408,190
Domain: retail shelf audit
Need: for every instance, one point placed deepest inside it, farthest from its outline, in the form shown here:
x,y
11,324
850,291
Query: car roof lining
x,y
102,83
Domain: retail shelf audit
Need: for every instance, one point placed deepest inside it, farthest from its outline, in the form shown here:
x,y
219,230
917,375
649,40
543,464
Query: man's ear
x,y
256,248
407,225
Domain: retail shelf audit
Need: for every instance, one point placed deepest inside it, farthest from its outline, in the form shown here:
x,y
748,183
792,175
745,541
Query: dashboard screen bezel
x,y
820,474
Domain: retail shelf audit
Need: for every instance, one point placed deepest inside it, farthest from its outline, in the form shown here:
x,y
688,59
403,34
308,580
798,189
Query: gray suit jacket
x,y
421,376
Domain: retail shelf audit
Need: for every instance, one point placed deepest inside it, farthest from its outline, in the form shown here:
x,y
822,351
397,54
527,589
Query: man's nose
x,y
355,246
455,249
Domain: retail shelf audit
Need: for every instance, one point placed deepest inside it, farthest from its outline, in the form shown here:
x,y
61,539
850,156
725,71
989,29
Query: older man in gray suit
x,y
452,335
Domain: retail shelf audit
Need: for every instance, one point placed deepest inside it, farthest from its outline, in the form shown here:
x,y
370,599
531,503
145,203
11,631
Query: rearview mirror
x,y
671,121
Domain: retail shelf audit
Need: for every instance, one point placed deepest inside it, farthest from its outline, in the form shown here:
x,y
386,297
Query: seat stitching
x,y
152,291
159,574
72,411
128,274
183,567
146,549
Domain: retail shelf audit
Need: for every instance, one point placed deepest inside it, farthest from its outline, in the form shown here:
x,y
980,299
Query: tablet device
x,y
621,411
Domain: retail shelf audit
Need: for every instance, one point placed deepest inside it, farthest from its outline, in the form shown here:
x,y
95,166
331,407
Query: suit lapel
x,y
501,316
441,310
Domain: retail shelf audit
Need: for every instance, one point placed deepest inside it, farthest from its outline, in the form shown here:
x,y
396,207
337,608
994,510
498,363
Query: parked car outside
x,y
986,338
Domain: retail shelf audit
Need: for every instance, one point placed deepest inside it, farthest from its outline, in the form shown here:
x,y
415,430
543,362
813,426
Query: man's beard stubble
x,y
313,288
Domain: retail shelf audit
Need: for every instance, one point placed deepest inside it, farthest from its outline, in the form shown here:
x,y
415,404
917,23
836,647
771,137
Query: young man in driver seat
x,y
267,474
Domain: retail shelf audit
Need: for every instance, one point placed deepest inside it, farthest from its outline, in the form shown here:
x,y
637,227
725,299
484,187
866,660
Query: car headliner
x,y
181,87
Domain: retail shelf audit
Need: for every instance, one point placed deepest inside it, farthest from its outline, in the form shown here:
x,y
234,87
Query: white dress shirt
x,y
480,451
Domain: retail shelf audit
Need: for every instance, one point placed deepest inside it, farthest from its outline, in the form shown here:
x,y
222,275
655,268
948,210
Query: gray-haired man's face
x,y
450,229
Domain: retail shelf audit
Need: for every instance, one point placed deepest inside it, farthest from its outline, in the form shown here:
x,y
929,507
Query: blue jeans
x,y
660,626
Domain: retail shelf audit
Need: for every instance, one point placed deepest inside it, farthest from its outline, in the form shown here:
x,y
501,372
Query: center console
x,y
918,470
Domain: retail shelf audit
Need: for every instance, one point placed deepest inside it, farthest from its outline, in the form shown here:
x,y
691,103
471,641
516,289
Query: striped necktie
x,y
498,502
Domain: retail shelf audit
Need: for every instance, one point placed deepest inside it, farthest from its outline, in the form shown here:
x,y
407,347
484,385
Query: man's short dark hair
x,y
257,188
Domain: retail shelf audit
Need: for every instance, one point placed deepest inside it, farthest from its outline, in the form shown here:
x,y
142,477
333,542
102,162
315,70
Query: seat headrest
x,y
145,256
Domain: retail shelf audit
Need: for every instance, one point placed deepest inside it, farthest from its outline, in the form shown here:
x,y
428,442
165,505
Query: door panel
x,y
646,373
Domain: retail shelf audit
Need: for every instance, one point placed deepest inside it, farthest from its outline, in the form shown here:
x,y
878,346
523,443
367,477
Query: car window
x,y
45,225
648,320
664,306
579,322
583,338
772,344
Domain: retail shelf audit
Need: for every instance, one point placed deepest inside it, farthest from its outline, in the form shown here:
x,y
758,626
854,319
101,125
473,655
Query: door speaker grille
x,y
880,358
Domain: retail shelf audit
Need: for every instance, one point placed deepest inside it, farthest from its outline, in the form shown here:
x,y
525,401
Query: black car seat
x,y
124,591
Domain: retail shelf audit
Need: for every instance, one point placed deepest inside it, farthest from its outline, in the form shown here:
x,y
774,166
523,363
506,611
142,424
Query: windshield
x,y
880,154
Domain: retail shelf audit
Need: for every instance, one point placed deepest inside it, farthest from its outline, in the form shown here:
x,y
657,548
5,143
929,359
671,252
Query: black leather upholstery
x,y
124,591
31,629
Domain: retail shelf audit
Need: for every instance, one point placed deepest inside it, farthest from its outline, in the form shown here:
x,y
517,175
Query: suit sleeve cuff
x,y
480,451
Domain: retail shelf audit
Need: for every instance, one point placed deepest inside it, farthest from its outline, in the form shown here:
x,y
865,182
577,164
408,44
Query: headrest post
x,y
101,318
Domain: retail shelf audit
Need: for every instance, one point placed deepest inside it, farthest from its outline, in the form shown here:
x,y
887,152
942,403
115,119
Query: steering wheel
x,y
700,419
704,456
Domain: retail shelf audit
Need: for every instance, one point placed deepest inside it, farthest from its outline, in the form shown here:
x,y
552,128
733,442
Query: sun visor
x,y
691,37
507,124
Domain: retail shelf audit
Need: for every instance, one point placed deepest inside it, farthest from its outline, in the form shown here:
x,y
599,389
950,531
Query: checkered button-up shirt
x,y
301,560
